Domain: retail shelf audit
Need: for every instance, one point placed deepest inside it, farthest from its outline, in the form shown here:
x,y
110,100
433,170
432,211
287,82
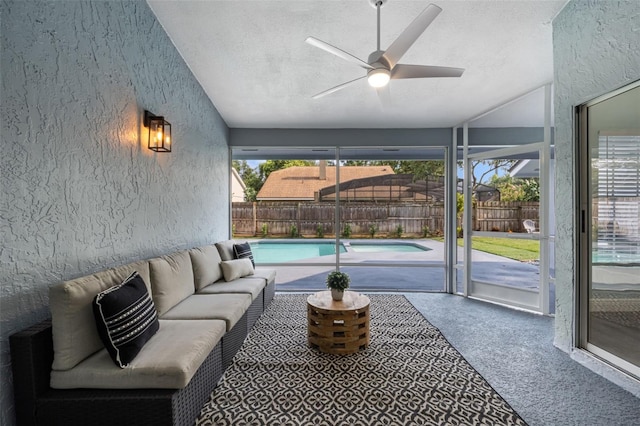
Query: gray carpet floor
x,y
514,352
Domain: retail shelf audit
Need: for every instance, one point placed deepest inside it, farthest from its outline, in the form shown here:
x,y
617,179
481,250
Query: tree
x,y
419,169
270,166
531,189
482,171
250,178
515,189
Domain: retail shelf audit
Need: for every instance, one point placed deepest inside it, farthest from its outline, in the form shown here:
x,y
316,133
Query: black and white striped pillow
x,y
126,319
243,250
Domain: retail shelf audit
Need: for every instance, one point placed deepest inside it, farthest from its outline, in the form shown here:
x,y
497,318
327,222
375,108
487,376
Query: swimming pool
x,y
611,257
287,251
381,248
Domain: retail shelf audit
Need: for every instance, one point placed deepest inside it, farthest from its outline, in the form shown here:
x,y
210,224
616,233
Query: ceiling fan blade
x,y
384,96
424,71
338,52
335,89
406,39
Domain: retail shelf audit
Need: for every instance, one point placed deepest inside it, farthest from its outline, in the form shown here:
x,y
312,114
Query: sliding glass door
x,y
610,239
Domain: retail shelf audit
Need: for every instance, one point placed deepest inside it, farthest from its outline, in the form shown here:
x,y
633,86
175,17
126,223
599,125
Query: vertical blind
x,y
617,195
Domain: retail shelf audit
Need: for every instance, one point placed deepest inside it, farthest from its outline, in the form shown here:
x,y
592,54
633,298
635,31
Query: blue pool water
x,y
287,251
275,252
608,257
380,248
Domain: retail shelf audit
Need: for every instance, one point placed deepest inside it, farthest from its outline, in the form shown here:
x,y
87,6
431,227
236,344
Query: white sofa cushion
x,y
249,285
75,335
171,280
206,265
268,274
237,268
225,248
168,360
227,307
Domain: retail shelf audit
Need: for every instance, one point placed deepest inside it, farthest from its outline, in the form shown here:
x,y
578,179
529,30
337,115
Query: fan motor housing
x,y
376,60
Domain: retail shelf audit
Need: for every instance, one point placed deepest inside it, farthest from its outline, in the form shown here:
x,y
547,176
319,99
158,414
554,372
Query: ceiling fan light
x,y
379,77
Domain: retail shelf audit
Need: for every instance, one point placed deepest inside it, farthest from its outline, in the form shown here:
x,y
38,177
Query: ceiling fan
x,y
381,65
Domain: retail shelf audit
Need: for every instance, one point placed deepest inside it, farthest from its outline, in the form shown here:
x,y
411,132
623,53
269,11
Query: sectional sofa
x,y
201,304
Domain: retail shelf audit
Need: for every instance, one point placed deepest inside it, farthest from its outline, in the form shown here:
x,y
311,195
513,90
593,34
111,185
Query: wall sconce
x,y
159,132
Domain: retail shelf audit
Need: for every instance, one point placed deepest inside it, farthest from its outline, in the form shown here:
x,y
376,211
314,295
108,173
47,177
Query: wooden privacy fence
x,y
309,218
502,216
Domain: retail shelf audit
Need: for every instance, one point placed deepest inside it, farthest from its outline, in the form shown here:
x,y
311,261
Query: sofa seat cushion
x,y
75,335
168,360
250,285
206,265
227,307
269,275
171,280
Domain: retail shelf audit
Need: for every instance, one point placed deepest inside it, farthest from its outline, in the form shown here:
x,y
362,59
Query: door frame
x,y
522,298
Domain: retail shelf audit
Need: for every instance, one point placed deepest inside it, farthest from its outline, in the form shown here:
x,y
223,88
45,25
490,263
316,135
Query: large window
x,y
376,213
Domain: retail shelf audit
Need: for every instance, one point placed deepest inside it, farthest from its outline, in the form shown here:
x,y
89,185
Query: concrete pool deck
x,y
417,271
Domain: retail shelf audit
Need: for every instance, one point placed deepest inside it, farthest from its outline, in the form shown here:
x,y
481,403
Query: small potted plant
x,y
338,282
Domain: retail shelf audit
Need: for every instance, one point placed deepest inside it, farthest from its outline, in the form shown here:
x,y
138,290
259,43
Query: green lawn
x,y
523,250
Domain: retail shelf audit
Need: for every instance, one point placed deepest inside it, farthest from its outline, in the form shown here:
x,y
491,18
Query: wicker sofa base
x,y
269,293
179,407
255,310
233,339
38,404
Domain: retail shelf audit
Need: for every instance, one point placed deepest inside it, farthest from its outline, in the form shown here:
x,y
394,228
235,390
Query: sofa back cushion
x,y
225,248
206,266
171,280
75,335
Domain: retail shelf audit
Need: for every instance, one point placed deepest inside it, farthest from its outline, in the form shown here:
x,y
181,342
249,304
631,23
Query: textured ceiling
x,y
251,59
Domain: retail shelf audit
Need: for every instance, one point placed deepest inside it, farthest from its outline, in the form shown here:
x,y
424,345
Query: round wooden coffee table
x,y
338,327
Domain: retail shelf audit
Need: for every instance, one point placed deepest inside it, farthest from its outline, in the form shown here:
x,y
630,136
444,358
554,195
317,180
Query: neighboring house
x,y
357,183
238,187
481,192
304,183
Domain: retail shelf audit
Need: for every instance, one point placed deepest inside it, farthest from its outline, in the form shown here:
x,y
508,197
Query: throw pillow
x,y
243,251
126,319
237,268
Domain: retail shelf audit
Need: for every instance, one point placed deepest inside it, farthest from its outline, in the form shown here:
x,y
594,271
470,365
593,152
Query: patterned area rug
x,y
409,375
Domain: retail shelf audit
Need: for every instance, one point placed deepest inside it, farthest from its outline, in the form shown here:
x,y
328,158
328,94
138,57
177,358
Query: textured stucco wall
x,y
80,192
596,49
